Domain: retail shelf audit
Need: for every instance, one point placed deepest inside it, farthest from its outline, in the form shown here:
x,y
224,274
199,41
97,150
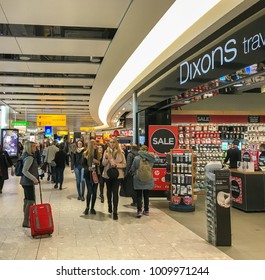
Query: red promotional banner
x,y
159,179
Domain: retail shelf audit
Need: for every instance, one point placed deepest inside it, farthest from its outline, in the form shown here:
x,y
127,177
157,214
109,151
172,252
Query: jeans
x,y
91,192
140,194
59,175
113,193
80,182
101,185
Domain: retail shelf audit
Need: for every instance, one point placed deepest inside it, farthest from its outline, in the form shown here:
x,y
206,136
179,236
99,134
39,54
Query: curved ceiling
x,y
58,57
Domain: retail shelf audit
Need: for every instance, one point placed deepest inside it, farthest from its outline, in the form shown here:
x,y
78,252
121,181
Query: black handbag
x,y
113,173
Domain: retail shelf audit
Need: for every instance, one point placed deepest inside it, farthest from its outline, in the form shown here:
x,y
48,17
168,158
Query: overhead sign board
x,y
86,128
20,123
62,132
51,120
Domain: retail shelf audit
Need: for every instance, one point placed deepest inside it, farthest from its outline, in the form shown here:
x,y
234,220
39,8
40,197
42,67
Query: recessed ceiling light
x,y
94,59
123,108
23,57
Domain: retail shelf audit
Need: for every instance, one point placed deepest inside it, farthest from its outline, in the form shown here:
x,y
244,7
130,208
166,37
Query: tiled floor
x,y
95,237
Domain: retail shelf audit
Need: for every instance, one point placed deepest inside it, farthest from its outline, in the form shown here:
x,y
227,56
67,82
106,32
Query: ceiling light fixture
x,y
179,15
24,58
94,59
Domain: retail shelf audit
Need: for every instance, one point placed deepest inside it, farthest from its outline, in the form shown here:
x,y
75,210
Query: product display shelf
x,y
204,140
181,181
204,153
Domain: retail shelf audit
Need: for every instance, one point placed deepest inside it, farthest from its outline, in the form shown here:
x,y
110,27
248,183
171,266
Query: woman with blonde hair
x,y
29,178
90,163
113,157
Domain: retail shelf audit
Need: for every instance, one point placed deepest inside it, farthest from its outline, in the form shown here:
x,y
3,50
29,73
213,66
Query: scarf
x,y
79,150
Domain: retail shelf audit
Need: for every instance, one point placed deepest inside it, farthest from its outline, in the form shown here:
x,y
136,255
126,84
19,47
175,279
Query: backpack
x,y
19,167
144,172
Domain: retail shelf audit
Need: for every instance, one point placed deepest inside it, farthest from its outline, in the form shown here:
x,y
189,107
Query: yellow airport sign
x,y
51,120
86,128
62,132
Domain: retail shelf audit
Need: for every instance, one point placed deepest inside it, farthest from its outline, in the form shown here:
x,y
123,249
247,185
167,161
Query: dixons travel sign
x,y
243,48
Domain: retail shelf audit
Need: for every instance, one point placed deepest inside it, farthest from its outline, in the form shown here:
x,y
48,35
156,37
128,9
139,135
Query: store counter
x,y
248,190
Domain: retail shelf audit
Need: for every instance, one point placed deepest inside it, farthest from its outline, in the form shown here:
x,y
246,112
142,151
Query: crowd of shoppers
x,y
91,164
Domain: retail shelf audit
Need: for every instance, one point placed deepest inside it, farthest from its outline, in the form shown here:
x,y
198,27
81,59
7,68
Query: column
x,y
135,118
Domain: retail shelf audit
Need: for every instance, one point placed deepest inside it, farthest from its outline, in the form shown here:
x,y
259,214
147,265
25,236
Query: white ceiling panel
x,y
9,45
13,66
2,16
45,90
16,80
46,102
44,97
63,68
51,108
94,13
45,81
66,47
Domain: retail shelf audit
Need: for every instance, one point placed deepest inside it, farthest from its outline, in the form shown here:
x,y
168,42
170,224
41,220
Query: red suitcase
x,y
41,221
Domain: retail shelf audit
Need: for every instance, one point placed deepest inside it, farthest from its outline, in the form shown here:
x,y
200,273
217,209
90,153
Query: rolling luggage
x,y
41,221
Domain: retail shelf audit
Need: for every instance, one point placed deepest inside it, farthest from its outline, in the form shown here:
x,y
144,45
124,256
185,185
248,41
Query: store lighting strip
x,y
181,15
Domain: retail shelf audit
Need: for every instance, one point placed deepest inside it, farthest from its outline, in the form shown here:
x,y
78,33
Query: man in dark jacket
x,y
233,155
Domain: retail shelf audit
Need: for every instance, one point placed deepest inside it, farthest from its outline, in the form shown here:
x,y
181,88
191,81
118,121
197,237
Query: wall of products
x,y
210,142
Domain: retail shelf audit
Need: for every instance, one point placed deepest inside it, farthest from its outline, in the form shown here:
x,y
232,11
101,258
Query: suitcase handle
x,y
40,193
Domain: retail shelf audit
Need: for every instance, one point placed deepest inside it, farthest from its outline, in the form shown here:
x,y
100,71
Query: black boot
x,y
110,209
115,216
27,204
86,211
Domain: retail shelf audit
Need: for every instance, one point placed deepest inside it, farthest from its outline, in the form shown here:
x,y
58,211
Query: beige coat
x,y
120,161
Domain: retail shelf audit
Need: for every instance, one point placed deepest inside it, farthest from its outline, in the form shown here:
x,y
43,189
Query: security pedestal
x,y
218,200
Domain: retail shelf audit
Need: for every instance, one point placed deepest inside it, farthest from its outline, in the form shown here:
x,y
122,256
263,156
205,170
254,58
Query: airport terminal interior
x,y
185,78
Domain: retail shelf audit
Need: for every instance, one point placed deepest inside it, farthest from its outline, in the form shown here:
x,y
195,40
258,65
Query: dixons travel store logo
x,y
244,47
162,139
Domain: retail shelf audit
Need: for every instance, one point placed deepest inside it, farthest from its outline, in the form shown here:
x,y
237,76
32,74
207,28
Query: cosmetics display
x,y
181,185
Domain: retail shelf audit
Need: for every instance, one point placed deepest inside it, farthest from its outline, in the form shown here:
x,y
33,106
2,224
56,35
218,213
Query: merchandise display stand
x,y
218,202
182,181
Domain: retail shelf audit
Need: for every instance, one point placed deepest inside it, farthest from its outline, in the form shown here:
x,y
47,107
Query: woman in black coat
x,y
5,163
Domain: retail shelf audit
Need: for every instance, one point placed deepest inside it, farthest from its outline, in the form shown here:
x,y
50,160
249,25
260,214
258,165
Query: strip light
x,y
179,17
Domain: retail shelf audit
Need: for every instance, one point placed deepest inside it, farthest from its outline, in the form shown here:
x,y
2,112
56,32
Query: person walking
x,y
100,172
29,179
113,158
143,180
5,163
90,163
77,168
128,178
51,151
61,158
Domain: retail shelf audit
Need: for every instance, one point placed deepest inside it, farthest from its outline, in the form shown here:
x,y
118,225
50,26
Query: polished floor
x,y
247,229
96,237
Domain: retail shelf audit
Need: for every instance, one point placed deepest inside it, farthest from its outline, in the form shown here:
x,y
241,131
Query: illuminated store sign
x,y
245,47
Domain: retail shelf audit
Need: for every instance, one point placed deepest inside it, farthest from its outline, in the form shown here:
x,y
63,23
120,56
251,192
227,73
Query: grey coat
x,y
30,170
137,184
